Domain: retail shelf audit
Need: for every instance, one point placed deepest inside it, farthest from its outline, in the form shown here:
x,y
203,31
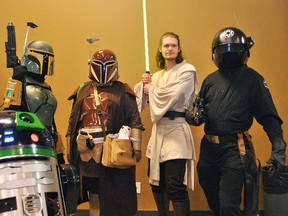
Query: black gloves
x,y
89,140
60,158
278,155
19,73
196,116
189,117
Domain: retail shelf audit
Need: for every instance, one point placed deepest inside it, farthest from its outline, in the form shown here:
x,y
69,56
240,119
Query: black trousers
x,y
172,174
221,175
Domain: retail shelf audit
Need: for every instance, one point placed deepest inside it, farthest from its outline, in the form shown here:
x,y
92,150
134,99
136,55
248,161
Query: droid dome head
x,y
39,58
22,130
103,67
230,48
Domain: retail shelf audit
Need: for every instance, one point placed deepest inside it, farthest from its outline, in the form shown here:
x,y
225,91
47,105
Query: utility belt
x,y
250,166
174,114
97,134
221,139
95,131
239,137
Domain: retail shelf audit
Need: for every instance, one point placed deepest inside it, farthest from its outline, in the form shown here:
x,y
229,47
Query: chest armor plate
x,y
89,114
42,102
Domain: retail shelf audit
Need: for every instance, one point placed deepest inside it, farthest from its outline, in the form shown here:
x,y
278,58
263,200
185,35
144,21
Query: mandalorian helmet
x,y
103,67
39,58
230,48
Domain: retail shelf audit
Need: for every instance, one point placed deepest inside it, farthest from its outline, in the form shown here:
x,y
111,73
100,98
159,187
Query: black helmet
x,y
230,48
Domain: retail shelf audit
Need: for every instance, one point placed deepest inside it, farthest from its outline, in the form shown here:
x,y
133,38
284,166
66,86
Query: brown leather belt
x,y
221,139
173,114
97,134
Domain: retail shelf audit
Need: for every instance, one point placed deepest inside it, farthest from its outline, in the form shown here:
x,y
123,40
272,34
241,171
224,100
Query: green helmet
x,y
39,58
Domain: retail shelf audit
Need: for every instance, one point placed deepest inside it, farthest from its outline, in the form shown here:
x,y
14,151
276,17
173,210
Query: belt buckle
x,y
172,115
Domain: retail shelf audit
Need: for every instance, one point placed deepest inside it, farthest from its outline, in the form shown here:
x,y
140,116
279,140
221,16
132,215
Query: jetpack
x,y
13,94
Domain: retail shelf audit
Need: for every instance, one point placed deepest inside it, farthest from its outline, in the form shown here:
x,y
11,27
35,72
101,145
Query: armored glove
x,y
136,138
196,116
278,154
19,73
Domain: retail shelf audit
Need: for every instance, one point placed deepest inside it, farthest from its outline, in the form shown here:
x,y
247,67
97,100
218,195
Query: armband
x,y
136,138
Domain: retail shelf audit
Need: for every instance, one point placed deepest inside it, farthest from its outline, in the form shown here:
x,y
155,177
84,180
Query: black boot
x,y
181,208
162,201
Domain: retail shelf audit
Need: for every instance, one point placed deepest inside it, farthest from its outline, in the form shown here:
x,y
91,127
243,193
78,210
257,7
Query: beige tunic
x,y
172,90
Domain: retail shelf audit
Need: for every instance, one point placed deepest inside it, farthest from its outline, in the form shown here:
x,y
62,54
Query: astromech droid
x,y
29,174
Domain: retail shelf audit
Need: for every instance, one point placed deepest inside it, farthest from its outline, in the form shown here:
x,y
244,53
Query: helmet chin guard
x,y
230,48
103,67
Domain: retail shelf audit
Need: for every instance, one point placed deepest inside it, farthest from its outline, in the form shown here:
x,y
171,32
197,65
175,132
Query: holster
x,y
252,174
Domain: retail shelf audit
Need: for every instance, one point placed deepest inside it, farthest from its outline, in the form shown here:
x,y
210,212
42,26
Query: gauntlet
x,y
136,139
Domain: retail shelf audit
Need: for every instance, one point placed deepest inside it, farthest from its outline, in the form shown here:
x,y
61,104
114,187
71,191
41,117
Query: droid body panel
x,y
29,172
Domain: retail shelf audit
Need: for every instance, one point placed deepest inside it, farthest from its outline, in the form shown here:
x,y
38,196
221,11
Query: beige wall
x,y
119,25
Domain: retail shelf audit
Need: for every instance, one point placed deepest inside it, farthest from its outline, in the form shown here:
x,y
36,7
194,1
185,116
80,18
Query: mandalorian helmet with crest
x,y
39,58
103,67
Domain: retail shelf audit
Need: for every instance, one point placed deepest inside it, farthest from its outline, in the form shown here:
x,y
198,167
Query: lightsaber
x,y
146,38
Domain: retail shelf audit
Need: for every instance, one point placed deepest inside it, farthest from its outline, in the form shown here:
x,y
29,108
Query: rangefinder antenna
x,y
91,41
29,25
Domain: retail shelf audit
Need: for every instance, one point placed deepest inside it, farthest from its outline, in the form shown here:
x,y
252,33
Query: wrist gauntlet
x,y
136,139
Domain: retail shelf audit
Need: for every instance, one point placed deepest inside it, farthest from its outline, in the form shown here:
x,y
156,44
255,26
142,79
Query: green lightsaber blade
x,y
146,38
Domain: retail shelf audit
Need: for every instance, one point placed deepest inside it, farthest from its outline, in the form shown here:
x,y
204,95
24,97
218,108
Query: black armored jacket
x,y
233,97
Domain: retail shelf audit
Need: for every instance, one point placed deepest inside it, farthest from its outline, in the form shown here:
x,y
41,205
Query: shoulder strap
x,y
79,89
99,111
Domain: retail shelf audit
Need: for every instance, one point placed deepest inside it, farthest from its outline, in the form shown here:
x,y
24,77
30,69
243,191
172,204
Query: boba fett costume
x,y
27,91
34,94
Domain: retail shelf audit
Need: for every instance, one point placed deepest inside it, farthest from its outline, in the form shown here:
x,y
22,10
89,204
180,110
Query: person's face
x,y
169,48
